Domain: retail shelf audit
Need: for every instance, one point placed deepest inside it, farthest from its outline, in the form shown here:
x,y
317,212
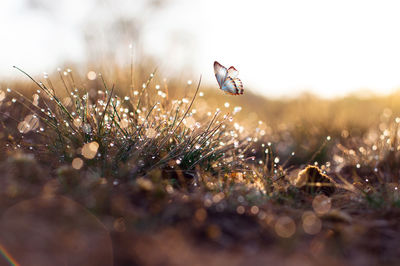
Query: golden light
x,y
35,101
151,133
77,163
321,204
67,101
89,150
23,127
311,223
31,122
285,227
91,75
77,122
189,122
124,123
269,219
254,210
145,184
2,95
240,209
218,197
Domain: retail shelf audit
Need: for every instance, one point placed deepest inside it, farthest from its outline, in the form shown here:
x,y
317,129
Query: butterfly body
x,y
227,79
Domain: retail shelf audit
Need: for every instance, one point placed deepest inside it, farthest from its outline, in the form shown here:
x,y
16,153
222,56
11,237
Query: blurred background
x,y
281,48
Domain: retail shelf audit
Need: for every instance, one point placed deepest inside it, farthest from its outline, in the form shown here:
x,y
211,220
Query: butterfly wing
x,y
230,86
220,73
232,72
239,85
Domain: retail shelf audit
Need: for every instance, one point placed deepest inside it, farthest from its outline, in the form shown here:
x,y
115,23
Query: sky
x,y
281,48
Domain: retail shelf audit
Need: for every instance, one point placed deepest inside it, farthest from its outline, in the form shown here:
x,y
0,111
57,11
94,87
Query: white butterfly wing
x,y
220,73
232,72
239,85
230,87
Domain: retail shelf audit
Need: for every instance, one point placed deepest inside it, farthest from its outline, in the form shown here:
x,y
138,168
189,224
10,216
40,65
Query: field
x,y
131,169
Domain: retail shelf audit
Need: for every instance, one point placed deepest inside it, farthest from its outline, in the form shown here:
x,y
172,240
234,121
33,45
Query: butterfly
x,y
227,79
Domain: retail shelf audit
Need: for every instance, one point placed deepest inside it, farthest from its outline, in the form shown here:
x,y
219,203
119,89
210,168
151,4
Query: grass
x,y
142,130
157,162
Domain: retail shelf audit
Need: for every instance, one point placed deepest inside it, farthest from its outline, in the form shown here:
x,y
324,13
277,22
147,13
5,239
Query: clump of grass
x,y
128,136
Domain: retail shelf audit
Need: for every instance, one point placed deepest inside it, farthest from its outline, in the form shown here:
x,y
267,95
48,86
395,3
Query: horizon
x,y
280,49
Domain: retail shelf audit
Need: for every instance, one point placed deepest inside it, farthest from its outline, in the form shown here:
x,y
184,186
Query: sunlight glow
x,y
287,47
330,48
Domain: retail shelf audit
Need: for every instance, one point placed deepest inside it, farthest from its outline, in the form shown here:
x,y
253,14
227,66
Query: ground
x,y
154,178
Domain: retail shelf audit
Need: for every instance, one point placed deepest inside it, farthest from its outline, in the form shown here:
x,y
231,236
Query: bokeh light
x,y
89,150
321,204
2,95
91,75
77,163
285,227
311,223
